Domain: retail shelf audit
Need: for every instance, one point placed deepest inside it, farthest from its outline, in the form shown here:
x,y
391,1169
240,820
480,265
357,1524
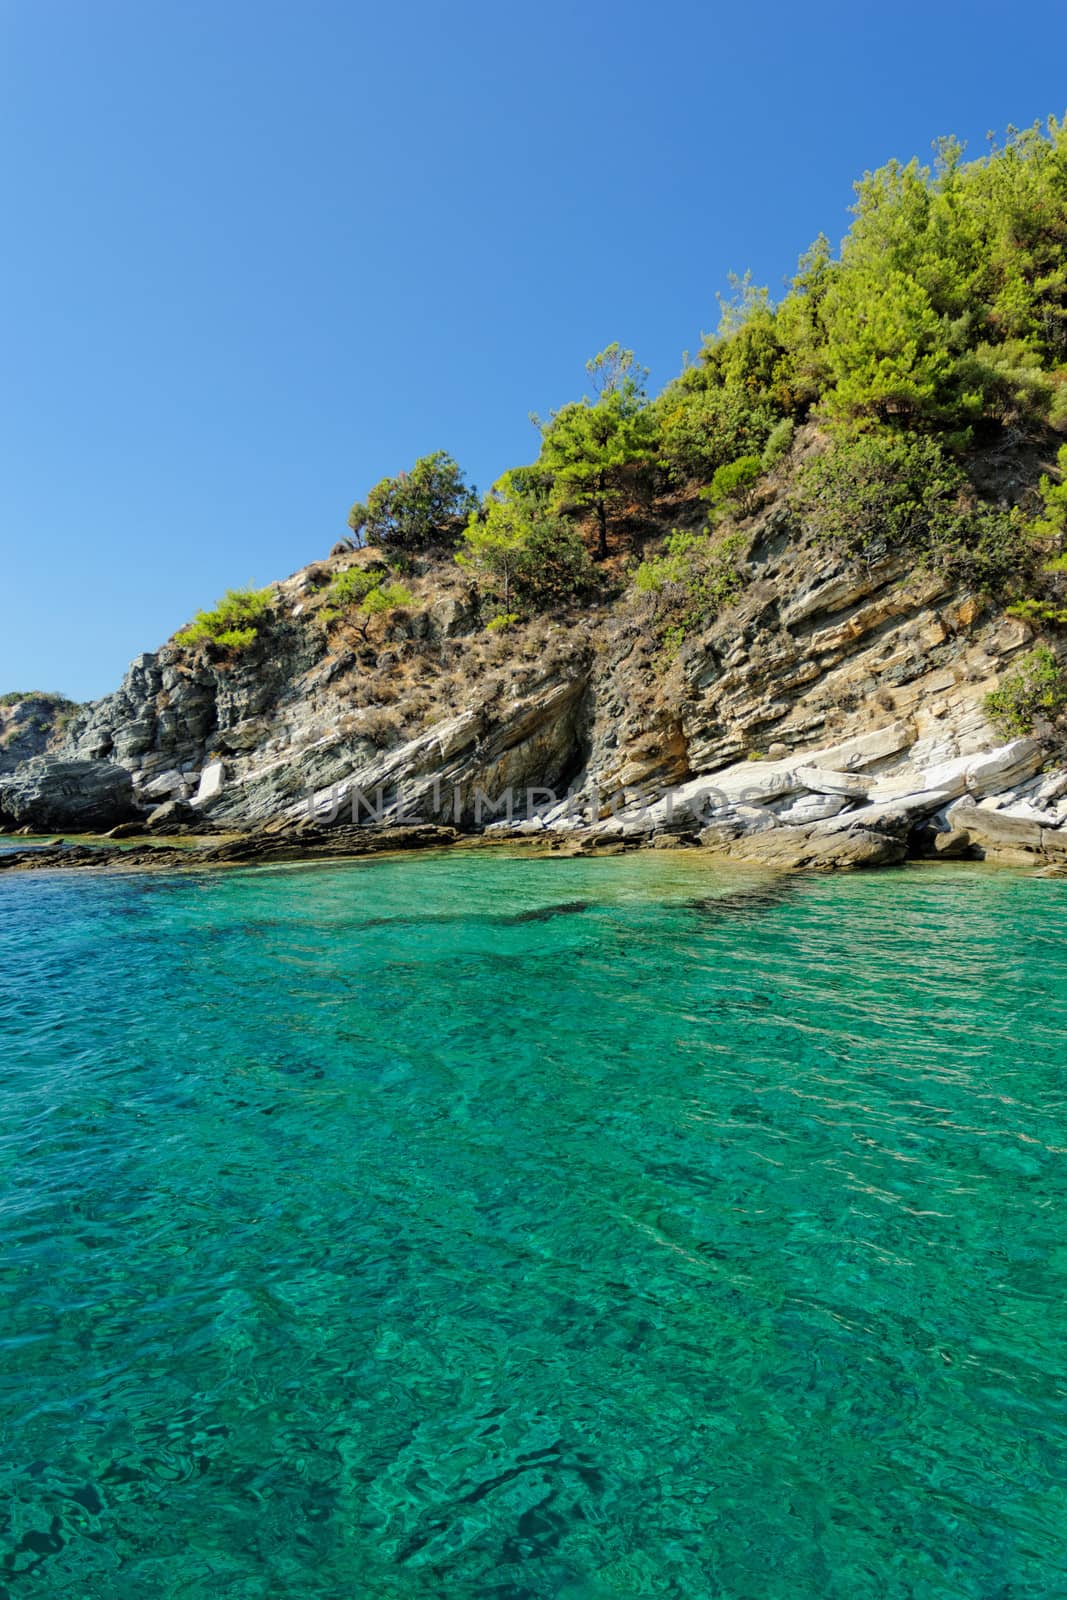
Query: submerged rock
x,y
252,849
570,908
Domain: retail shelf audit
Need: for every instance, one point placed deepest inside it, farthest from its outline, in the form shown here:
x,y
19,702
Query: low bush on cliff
x,y
352,586
1037,688
880,494
1052,523
692,580
1047,604
358,594
733,488
521,553
235,622
386,597
49,697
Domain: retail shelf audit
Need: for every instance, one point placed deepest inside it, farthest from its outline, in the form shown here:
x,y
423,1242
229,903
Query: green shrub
x,y
1037,688
1052,523
1048,605
877,493
520,551
360,593
733,487
234,624
354,584
704,428
417,509
779,443
1005,383
747,355
554,566
672,639
694,578
886,347
386,597
988,547
674,567
1043,613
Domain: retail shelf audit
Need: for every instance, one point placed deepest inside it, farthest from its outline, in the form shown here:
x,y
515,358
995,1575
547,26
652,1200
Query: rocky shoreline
x,y
854,821
856,852
879,798
833,716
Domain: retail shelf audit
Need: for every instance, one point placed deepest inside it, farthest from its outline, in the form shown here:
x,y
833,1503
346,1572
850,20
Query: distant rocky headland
x,y
806,607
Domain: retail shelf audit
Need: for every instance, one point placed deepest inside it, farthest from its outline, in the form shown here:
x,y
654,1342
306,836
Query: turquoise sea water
x,y
474,1227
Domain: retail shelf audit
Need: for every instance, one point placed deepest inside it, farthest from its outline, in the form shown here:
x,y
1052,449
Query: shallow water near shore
x,y
10,842
461,1226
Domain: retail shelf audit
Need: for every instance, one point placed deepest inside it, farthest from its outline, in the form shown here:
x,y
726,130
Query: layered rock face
x,y
829,717
75,796
855,699
278,735
29,725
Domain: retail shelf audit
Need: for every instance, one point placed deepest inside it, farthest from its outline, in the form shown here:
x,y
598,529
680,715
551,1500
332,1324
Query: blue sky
x,y
258,255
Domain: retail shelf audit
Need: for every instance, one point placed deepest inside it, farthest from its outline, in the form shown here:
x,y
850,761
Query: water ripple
x,y
471,1227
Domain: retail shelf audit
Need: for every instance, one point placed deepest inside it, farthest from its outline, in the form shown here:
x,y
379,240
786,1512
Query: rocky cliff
x,y
831,715
30,724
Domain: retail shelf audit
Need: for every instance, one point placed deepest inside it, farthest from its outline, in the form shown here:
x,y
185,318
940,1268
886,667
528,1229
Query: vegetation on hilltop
x,y
419,508
902,399
592,451
522,551
50,697
234,623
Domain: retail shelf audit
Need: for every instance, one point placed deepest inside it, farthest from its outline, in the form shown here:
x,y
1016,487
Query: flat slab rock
x,y
252,849
1000,832
799,849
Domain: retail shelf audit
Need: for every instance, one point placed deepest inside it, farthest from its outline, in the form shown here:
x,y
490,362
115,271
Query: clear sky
x,y
258,255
